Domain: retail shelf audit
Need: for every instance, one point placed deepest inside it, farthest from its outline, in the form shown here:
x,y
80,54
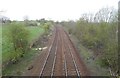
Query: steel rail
x,y
77,71
72,44
54,58
65,66
47,55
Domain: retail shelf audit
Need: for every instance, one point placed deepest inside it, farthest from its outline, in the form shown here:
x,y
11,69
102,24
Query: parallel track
x,y
46,69
71,54
60,55
61,58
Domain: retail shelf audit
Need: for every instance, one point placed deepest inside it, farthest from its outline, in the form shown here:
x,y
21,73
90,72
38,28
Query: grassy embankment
x,y
17,69
0,50
98,35
96,42
87,56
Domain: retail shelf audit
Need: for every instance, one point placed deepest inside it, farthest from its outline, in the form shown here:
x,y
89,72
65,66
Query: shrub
x,y
18,37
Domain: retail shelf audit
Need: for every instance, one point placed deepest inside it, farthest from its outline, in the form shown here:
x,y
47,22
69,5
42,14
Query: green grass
x,y
35,32
6,45
0,40
0,50
21,66
7,49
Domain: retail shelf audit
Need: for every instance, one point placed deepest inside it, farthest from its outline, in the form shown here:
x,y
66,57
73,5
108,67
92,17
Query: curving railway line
x,y
60,59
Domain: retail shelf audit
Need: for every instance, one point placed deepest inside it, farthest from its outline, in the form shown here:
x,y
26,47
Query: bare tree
x,y
104,14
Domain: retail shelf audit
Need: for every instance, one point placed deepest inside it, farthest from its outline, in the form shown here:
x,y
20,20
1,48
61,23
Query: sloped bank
x,y
22,63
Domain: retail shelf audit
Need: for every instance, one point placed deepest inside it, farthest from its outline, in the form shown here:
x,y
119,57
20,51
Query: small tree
x,y
47,27
19,37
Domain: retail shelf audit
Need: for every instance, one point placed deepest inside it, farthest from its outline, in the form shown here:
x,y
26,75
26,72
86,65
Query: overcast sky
x,y
52,9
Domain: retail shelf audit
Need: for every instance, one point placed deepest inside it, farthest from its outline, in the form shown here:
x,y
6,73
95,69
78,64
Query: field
x,y
35,32
8,51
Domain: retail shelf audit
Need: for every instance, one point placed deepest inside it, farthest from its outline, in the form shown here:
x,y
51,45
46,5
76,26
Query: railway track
x,y
47,69
72,69
56,64
60,59
59,63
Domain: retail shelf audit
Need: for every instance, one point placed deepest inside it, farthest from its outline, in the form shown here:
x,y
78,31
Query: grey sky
x,y
52,9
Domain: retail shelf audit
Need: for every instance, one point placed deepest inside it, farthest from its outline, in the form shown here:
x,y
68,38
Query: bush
x,y
102,38
18,37
100,35
46,27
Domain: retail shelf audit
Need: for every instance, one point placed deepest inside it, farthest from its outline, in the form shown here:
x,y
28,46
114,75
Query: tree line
x,y
99,32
